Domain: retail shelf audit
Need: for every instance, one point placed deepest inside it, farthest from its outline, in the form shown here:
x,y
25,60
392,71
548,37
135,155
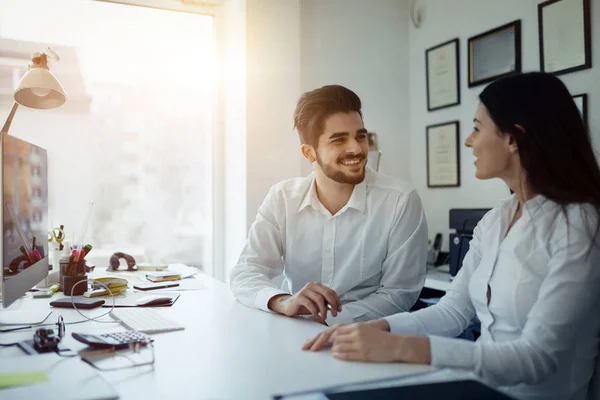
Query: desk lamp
x,y
38,88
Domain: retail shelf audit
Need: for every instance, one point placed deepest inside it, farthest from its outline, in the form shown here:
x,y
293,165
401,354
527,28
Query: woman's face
x,y
493,150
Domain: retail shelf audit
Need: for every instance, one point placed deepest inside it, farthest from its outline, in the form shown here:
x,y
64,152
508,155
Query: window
x,y
135,136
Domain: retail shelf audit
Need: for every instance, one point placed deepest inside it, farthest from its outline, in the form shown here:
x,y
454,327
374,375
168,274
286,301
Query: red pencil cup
x,y
70,270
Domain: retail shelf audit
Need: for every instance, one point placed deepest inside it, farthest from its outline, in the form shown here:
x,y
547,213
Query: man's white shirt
x,y
372,252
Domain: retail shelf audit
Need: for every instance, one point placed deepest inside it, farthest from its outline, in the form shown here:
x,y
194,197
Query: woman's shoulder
x,y
571,224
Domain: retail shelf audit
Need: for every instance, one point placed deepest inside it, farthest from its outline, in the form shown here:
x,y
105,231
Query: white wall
x,y
445,20
363,45
273,87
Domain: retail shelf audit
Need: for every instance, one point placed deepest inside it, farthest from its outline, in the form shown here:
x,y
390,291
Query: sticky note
x,y
22,378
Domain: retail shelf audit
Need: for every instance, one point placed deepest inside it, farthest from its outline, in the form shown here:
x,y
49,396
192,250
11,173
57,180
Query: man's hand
x,y
325,338
313,299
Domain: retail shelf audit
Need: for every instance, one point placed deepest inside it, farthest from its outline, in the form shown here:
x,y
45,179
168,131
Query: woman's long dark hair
x,y
554,146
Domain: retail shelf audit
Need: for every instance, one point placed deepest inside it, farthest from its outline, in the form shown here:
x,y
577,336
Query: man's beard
x,y
339,176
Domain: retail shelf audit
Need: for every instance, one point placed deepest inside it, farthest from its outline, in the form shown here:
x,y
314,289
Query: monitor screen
x,y
24,216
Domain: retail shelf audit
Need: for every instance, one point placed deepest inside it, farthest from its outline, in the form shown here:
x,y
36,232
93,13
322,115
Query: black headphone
x,y
114,262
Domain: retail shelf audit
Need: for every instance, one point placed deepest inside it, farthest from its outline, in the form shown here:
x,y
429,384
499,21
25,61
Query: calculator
x,y
118,340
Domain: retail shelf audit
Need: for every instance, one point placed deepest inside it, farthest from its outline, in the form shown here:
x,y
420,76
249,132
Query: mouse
x,y
153,300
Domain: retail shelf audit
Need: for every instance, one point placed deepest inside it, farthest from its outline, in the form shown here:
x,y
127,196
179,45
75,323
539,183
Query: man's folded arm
x,y
260,261
403,271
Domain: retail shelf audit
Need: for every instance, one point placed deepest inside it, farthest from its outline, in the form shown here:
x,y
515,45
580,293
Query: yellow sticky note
x,y
22,378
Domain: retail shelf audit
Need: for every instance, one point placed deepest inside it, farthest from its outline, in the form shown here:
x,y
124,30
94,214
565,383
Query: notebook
x,y
454,390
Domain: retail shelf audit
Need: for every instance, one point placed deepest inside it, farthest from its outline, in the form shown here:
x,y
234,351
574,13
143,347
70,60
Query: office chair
x,y
594,386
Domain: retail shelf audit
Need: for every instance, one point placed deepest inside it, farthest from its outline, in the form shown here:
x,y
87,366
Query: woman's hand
x,y
324,338
362,342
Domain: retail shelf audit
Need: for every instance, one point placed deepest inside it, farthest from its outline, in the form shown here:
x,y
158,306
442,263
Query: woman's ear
x,y
308,152
512,143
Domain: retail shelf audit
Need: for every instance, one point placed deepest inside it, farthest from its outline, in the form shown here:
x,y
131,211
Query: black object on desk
x,y
454,390
80,302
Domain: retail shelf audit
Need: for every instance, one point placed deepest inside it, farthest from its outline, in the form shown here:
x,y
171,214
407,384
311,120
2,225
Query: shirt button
x,y
327,251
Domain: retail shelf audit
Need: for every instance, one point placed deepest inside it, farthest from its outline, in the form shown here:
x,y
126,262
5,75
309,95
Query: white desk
x,y
227,351
438,278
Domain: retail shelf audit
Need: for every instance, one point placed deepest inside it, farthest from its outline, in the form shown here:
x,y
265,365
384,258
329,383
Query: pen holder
x,y
70,269
69,283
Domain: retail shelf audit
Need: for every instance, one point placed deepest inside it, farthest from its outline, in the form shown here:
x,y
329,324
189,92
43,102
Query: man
x,y
347,239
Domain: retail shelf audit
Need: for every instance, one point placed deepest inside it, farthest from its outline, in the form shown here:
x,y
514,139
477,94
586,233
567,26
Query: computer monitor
x,y
24,199
464,221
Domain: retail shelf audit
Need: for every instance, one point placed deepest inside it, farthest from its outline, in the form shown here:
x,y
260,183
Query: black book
x,y
453,390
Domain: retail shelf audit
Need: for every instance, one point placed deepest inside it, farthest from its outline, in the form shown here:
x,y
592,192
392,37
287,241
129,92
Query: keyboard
x,y
145,320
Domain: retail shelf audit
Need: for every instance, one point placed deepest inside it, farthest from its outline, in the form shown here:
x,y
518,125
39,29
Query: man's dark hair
x,y
316,106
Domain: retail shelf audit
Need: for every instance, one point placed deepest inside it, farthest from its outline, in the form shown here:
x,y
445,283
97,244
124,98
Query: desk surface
x,y
227,351
438,278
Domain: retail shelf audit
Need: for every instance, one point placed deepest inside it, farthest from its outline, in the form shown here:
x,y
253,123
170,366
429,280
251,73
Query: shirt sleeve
x,y
455,310
261,259
567,297
403,270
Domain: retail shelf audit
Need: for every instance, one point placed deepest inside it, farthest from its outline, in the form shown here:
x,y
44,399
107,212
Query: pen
x,y
85,227
86,249
330,308
36,255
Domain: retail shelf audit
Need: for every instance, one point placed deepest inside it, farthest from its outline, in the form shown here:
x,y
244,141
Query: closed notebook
x,y
454,390
162,276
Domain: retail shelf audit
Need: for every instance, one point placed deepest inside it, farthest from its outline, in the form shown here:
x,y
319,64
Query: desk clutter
x,y
130,346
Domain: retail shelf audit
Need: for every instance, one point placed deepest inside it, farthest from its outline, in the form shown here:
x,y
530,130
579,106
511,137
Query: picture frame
x,y
443,154
494,54
581,102
442,69
565,36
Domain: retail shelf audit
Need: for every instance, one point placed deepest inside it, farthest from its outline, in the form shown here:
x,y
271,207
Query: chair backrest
x,y
594,388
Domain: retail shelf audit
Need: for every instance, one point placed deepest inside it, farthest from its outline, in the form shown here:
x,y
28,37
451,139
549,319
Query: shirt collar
x,y
357,200
359,196
310,198
532,206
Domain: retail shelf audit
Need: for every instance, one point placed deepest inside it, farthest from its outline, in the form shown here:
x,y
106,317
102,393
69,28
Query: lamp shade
x,y
40,89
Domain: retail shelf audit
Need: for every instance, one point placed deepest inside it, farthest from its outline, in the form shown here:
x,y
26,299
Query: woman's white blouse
x,y
540,330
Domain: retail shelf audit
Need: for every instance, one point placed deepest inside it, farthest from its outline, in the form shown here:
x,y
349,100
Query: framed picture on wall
x,y
494,54
581,102
443,157
565,36
442,70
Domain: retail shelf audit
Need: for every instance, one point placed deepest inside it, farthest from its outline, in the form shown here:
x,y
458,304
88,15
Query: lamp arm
x,y
8,121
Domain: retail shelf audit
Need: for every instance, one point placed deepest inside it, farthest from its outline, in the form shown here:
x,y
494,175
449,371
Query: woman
x,y
531,274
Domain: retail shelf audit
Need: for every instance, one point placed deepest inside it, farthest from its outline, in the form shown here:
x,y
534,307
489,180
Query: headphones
x,y
114,262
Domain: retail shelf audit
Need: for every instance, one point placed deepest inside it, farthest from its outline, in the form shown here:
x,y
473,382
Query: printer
x,y
463,222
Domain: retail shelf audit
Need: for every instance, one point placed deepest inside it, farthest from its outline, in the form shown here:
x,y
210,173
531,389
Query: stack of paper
x,y
162,276
111,285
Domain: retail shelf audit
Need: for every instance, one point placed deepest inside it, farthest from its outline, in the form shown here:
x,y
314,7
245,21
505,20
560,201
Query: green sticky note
x,y
22,378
